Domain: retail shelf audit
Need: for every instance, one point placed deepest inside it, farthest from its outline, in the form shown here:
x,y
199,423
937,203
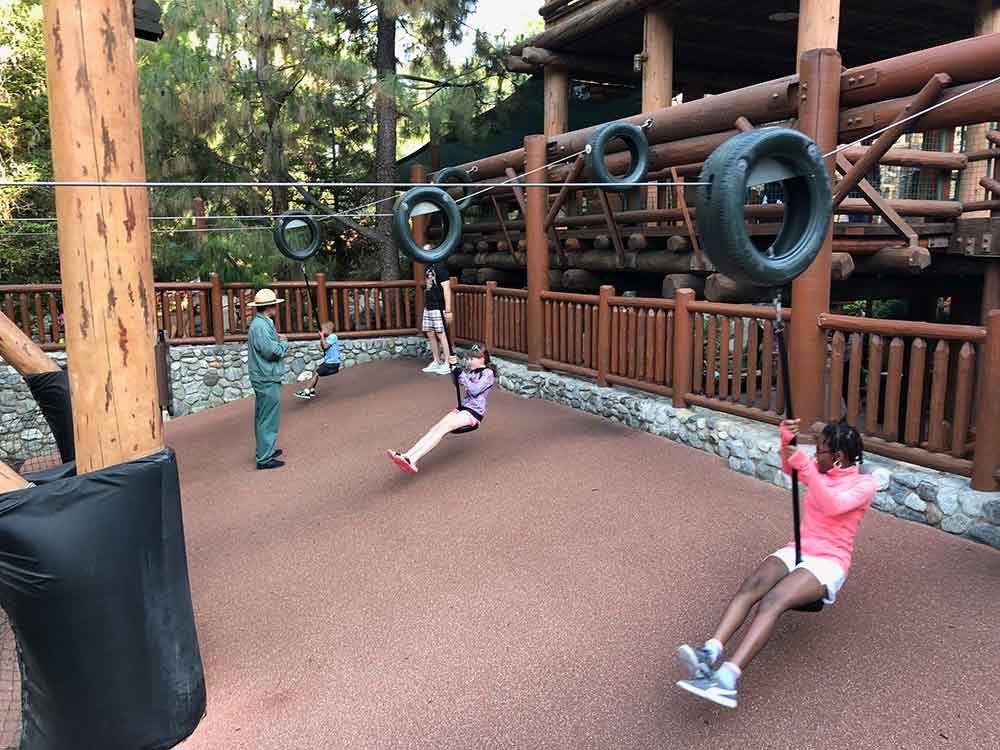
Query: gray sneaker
x,y
697,661
711,689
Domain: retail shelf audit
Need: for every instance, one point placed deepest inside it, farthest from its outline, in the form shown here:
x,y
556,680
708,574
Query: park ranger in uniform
x,y
266,349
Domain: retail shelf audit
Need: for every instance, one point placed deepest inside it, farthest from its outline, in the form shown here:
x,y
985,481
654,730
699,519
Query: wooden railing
x,y
642,337
910,388
735,364
571,332
493,316
212,312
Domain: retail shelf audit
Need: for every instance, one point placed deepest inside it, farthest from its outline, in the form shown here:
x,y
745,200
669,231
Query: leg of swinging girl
x,y
752,590
451,421
795,589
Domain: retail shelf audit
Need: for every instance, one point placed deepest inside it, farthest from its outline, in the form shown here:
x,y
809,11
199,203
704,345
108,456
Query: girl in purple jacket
x,y
476,381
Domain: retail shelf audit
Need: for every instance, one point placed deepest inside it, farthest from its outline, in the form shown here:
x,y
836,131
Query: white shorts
x,y
828,572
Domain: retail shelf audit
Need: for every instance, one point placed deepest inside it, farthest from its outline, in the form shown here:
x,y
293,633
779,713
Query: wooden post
x,y
489,315
104,242
538,247
556,100
819,72
218,320
986,459
683,347
657,71
819,27
20,352
322,299
604,334
418,175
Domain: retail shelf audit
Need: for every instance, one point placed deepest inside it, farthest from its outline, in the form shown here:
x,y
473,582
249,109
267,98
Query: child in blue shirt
x,y
331,360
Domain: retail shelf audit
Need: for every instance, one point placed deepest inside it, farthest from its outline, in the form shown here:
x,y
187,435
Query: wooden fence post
x,y
604,334
218,319
819,110
986,459
683,347
322,299
418,175
538,246
489,315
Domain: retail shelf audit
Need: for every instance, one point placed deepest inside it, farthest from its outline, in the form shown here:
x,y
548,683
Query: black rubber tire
x,y
635,139
298,254
451,175
807,200
452,219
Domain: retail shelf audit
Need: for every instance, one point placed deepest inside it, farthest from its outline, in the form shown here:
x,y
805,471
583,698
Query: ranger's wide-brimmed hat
x,y
265,298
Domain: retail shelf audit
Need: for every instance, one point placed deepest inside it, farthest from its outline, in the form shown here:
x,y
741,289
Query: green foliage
x,y
28,250
248,90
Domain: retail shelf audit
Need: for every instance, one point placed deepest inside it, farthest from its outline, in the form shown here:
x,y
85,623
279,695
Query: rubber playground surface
x,y
528,587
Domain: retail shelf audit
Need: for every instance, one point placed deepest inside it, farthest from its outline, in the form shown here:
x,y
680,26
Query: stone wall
x,y
200,376
205,376
913,493
24,433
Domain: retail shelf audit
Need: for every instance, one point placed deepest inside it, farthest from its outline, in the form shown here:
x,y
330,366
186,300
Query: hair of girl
x,y
840,436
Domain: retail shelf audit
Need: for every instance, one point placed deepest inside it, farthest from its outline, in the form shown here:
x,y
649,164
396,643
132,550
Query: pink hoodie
x,y
834,505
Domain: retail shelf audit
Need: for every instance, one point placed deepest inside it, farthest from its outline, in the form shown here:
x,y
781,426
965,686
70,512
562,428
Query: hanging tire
x,y
450,175
807,199
637,145
293,220
451,215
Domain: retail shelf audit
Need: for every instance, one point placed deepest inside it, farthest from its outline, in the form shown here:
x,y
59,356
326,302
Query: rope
x,y
401,186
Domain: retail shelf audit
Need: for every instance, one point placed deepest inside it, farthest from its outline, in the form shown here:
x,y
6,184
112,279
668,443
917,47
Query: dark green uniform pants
x,y
266,418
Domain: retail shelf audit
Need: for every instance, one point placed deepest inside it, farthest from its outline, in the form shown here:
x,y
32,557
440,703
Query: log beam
x,y
674,282
20,352
895,260
928,95
10,480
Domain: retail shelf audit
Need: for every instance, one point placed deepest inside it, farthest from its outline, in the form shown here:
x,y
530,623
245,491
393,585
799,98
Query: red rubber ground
x,y
527,590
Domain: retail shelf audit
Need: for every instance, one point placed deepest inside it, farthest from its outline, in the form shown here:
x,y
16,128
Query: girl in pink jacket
x,y
836,500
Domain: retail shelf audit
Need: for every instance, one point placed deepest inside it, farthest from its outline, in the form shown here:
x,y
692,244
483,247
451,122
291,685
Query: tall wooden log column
x,y
657,72
556,100
538,246
104,241
418,224
818,118
987,22
819,26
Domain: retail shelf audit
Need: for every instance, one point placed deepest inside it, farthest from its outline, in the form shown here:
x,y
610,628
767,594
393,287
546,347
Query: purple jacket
x,y
477,384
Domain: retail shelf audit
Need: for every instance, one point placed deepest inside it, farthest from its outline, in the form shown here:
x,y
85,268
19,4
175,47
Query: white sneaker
x,y
443,369
432,367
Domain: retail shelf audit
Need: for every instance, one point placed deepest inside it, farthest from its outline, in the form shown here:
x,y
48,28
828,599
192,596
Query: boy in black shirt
x,y
437,311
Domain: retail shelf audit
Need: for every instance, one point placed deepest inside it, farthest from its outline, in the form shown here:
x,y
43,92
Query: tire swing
x,y
597,149
764,155
294,248
451,175
423,200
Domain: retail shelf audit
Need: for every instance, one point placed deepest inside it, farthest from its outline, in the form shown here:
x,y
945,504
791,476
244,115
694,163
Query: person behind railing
x,y
838,496
265,349
437,312
330,365
477,381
